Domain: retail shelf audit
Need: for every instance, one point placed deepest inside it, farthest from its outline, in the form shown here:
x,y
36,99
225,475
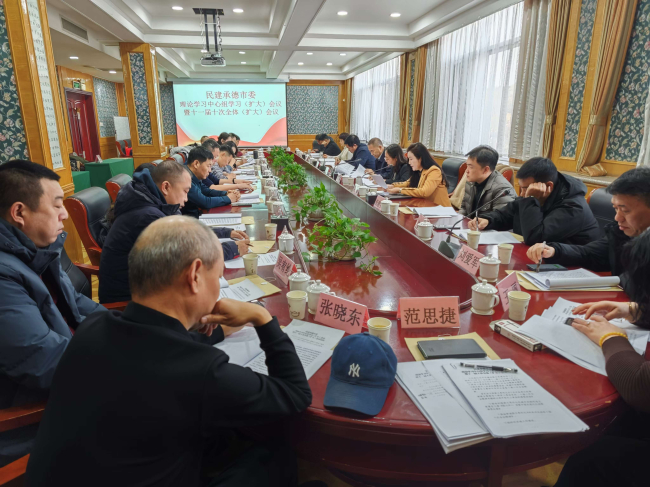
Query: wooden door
x,y
83,128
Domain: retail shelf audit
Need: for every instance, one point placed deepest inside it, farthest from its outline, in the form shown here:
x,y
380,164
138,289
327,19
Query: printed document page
x,y
263,259
212,219
434,211
577,278
242,291
490,237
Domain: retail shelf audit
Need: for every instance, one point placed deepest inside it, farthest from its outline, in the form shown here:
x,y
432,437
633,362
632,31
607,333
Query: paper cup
x,y
519,302
505,253
297,303
250,264
424,231
394,208
271,231
362,191
385,206
473,237
359,180
380,327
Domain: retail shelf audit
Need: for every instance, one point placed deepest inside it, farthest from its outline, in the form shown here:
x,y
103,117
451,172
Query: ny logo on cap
x,y
354,370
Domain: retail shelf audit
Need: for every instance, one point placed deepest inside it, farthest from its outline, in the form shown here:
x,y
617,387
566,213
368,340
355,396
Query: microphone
x,y
451,249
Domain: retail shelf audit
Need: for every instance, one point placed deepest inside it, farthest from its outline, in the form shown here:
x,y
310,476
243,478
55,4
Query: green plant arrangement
x,y
316,205
343,238
279,158
293,176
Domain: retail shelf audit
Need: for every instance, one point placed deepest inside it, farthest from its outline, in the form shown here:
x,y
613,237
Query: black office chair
x,y
600,203
451,168
114,184
77,277
87,208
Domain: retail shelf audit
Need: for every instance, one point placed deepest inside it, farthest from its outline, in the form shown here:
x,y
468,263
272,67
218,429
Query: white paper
x,y
246,202
379,181
222,280
344,169
242,346
434,211
512,404
245,291
359,171
263,259
250,196
577,278
213,220
490,237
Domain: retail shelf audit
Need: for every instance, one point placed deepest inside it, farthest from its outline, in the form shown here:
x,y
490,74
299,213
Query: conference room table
x,y
398,446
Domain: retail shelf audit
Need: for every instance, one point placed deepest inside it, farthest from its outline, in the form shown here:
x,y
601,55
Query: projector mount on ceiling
x,y
211,59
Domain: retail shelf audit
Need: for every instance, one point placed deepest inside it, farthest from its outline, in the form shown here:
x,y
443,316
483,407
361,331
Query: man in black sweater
x,y
327,145
137,400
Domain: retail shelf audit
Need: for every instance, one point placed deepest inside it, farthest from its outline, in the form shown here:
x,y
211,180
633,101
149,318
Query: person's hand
x,y
540,250
392,190
244,186
336,160
596,328
234,196
239,234
242,246
230,176
244,181
537,191
369,171
482,223
207,329
390,186
611,309
229,312
229,330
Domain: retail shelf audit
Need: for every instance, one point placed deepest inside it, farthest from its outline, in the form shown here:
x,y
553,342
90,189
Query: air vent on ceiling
x,y
119,70
74,29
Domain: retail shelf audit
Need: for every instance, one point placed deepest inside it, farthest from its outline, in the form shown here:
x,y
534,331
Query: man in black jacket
x,y
551,208
327,145
137,401
149,197
631,199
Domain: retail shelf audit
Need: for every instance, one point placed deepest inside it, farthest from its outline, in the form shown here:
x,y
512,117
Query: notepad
x,y
531,286
573,279
260,282
489,237
243,291
263,259
214,220
434,211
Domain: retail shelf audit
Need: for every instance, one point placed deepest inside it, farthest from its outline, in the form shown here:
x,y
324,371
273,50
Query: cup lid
x,y
299,276
285,235
318,287
489,260
484,288
425,223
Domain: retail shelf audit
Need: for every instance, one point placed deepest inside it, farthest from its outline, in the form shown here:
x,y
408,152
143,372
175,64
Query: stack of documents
x,y
218,221
554,330
263,259
434,211
314,344
242,291
466,406
489,237
566,280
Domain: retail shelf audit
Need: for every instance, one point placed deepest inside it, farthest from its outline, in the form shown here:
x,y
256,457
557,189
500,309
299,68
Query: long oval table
x,y
398,445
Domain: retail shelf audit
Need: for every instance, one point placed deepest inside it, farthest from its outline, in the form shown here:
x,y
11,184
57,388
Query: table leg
x,y
497,462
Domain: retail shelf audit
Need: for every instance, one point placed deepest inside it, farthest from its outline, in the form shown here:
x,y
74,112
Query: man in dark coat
x,y
551,208
376,148
361,155
327,145
149,197
39,306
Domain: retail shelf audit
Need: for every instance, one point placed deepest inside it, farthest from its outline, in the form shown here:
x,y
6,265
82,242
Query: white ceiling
x,y
275,35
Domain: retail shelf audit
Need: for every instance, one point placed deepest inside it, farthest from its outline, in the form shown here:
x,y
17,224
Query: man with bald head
x,y
137,401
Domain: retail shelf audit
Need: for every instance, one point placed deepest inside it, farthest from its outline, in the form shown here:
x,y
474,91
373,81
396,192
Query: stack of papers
x,y
379,181
554,330
566,280
466,406
214,220
314,344
242,291
489,237
263,259
434,211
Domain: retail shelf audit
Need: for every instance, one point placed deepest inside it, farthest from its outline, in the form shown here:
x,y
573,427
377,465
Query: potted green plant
x,y
316,205
293,176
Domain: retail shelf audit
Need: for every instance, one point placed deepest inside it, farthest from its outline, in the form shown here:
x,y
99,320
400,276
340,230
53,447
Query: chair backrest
x,y
87,208
178,157
451,167
508,173
114,184
79,281
128,142
600,202
120,148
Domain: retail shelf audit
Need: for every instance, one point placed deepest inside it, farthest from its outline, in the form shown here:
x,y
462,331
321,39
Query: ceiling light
x,y
243,62
242,52
238,10
74,57
309,53
395,14
112,72
300,64
342,12
342,54
204,50
329,64
177,8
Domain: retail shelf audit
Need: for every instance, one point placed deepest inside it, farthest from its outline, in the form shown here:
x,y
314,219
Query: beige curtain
x,y
347,107
418,86
557,31
618,17
403,99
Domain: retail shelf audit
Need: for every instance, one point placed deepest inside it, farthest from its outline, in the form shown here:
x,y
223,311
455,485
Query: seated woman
x,y
217,179
397,169
427,180
345,154
618,458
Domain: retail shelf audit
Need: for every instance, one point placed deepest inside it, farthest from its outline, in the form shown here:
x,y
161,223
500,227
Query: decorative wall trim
x,y
168,110
141,97
106,104
312,109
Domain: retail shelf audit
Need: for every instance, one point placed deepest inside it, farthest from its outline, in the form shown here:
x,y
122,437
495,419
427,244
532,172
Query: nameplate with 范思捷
x,y
468,259
341,313
430,312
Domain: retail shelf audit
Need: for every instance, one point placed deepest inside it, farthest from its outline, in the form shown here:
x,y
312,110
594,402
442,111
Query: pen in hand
x,y
541,256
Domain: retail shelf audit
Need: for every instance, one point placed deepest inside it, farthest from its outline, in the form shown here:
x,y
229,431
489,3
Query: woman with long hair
x,y
345,154
427,180
398,169
618,457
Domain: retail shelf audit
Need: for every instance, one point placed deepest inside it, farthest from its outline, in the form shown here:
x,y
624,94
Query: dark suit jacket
x,y
136,398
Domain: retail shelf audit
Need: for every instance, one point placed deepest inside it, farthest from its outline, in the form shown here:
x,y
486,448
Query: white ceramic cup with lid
x,y
424,230
314,290
484,298
298,281
489,268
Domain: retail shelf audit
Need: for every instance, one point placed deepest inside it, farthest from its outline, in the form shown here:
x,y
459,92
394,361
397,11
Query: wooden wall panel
x,y
303,141
121,105
171,140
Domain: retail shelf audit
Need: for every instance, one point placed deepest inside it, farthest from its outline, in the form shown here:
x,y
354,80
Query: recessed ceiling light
x,y
238,10
74,57
342,12
300,64
177,8
342,54
309,53
112,72
329,64
242,52
243,62
204,50
395,14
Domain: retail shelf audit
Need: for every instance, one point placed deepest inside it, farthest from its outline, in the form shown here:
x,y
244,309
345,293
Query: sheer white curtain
x,y
470,84
375,103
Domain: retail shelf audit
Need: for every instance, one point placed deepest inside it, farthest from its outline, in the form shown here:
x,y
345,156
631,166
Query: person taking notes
x,y
551,207
217,177
376,148
361,156
427,180
345,154
397,168
619,457
327,145
484,183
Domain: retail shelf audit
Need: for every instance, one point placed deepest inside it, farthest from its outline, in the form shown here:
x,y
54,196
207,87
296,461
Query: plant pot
x,y
342,254
316,215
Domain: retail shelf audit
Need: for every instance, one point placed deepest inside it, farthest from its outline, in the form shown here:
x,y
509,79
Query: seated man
x,y
38,303
376,148
484,183
552,208
200,196
150,196
361,156
631,200
327,145
218,178
137,401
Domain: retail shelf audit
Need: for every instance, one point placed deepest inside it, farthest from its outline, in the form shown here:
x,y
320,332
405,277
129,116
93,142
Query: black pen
x,y
489,367
541,257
